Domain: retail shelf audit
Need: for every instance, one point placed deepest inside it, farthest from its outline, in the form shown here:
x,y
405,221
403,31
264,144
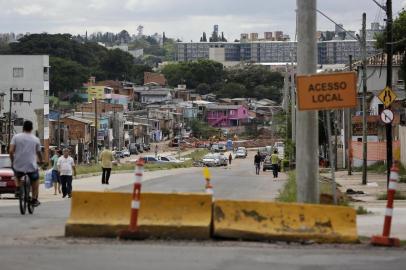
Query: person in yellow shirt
x,y
275,163
106,158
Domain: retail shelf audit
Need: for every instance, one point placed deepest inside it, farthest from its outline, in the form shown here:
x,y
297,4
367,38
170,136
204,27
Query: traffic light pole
x,y
307,144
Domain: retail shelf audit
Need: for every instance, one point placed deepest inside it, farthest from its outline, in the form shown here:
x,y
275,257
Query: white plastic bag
x,y
48,179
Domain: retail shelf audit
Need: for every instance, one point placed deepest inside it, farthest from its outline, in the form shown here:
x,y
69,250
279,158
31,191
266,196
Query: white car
x,y
170,159
126,152
240,154
211,160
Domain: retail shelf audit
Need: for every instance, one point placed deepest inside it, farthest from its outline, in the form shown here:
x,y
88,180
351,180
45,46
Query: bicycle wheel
x,y
21,199
30,206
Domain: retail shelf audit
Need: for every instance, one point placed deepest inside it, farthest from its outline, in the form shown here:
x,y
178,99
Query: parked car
x,y
126,152
223,160
267,165
118,154
211,160
241,148
7,180
151,159
170,159
215,148
133,149
140,148
146,147
240,154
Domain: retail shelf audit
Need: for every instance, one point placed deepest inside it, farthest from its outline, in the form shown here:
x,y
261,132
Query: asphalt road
x,y
37,242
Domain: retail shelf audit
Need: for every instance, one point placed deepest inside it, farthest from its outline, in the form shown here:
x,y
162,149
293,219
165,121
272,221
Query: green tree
x,y
66,75
232,90
203,88
399,34
118,65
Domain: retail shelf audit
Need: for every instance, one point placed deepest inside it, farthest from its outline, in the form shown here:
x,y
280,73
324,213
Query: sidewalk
x,y
371,224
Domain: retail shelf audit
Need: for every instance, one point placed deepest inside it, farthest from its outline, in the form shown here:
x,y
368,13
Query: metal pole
x,y
389,53
349,131
293,101
364,101
95,131
9,120
332,157
307,153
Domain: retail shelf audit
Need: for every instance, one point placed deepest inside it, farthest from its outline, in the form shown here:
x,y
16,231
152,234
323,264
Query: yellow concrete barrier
x,y
162,215
253,220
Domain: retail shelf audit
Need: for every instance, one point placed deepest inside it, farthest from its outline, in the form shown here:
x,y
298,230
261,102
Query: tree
x,y
203,88
232,90
66,75
118,64
399,34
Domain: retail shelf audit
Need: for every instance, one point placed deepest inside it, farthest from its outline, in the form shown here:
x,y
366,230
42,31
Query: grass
x,y
362,211
380,167
288,192
96,168
398,196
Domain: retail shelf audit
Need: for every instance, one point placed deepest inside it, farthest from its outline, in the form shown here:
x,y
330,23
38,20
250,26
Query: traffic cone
x,y
384,239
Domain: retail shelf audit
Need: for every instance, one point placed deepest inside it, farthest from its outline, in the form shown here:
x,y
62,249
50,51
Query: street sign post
x,y
327,91
387,116
387,96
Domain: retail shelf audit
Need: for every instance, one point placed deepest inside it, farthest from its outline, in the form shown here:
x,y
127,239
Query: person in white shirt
x,y
66,167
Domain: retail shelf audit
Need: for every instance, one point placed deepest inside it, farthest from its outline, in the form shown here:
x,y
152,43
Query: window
x,y
18,72
46,74
18,97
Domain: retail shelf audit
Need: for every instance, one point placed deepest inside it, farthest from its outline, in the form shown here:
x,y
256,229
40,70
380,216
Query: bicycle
x,y
25,198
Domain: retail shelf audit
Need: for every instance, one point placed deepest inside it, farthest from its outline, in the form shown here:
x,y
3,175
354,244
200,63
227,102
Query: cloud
x,y
185,19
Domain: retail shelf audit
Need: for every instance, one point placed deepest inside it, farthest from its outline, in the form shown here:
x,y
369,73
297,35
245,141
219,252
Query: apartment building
x,y
26,72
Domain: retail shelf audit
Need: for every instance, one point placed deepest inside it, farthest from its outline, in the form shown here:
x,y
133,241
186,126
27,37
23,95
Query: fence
x,y
376,151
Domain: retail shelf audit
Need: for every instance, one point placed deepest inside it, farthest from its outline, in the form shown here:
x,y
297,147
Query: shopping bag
x,y
48,179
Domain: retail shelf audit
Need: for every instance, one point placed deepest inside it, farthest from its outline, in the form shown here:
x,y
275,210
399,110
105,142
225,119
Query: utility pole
x,y
307,153
9,130
348,133
95,131
389,56
293,102
364,100
332,157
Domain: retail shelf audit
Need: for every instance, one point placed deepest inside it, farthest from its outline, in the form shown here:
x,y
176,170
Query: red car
x,y
7,180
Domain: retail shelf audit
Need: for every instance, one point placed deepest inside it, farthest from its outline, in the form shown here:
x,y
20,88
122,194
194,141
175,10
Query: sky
x,y
183,19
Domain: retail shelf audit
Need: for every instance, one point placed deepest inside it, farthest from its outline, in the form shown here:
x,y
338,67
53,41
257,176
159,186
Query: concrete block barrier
x,y
162,215
253,220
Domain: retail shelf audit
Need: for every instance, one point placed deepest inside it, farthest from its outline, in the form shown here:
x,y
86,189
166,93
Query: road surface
x,y
37,242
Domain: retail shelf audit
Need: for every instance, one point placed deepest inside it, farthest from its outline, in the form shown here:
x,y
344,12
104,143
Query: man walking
x,y
66,167
106,158
230,158
257,163
275,163
55,174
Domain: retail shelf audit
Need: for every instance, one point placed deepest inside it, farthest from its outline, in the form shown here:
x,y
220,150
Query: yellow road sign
x,y
387,96
206,173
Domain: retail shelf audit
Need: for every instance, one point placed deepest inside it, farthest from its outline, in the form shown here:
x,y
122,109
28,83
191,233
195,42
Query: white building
x,y
26,72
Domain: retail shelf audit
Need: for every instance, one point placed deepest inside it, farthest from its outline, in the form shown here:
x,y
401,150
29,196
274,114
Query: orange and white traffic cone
x,y
385,240
133,232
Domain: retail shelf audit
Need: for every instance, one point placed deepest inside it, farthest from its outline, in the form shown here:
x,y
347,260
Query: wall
x,y
33,78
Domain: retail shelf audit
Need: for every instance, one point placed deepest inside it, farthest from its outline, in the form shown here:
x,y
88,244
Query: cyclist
x,y
24,150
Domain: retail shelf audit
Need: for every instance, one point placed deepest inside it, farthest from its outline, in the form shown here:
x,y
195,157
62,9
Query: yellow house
x,y
98,92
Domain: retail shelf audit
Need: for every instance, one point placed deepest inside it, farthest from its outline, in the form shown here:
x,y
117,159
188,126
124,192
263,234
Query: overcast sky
x,y
184,19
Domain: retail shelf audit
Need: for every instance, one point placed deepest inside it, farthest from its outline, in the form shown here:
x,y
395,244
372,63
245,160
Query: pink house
x,y
227,115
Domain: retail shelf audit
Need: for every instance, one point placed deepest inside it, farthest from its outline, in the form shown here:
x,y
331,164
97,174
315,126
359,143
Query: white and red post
x,y
385,240
135,203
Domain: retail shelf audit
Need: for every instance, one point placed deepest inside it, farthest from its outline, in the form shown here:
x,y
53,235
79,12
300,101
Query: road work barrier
x,y
253,220
161,215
